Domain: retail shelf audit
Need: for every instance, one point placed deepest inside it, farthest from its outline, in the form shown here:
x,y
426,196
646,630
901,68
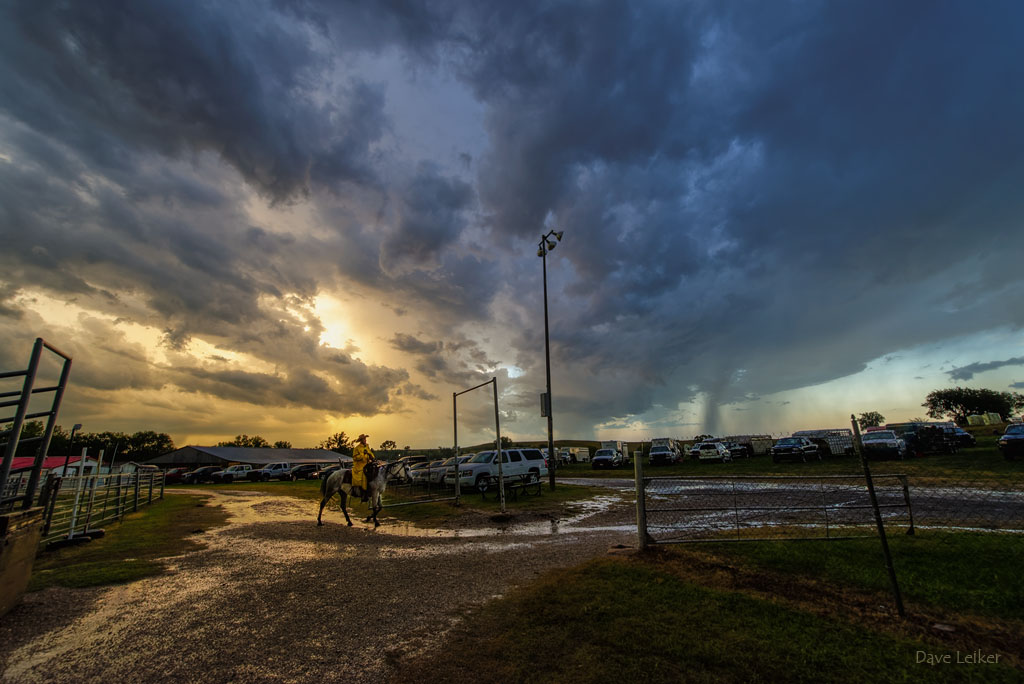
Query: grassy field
x,y
963,573
131,549
695,616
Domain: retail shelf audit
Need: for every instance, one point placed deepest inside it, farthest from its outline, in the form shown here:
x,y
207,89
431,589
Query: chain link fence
x,y
771,507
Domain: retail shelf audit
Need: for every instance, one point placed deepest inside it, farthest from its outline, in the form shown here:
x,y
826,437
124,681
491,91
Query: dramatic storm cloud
x,y
296,217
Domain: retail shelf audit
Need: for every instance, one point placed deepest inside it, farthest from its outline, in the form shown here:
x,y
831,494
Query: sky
x,y
292,218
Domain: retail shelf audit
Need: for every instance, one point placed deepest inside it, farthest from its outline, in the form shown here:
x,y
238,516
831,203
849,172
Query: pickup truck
x,y
795,449
272,471
231,473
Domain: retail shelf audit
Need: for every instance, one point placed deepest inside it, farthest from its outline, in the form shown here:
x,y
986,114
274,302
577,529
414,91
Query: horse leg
x,y
344,508
323,502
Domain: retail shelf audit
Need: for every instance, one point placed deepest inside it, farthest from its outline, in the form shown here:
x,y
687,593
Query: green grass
x,y
132,549
958,573
628,620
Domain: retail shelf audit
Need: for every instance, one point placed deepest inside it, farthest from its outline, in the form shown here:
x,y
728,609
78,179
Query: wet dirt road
x,y
273,597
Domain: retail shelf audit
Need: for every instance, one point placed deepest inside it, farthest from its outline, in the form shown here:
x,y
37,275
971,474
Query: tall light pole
x,y
71,443
545,246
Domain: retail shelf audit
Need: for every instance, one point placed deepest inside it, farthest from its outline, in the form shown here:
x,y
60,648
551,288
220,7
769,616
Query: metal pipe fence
x,y
75,505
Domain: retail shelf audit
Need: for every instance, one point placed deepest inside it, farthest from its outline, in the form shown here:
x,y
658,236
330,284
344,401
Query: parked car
x,y
424,473
1011,444
795,449
326,471
711,451
201,474
662,455
272,471
607,458
737,450
477,471
174,475
883,444
449,464
231,473
963,437
305,471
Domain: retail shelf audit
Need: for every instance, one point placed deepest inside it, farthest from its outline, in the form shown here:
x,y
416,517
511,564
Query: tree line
x,y
956,403
147,444
136,446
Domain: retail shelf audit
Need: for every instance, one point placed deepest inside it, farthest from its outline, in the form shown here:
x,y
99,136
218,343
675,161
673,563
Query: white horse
x,y
340,482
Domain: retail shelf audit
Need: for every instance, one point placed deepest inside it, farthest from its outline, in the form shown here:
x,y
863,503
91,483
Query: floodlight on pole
x,y
71,441
545,246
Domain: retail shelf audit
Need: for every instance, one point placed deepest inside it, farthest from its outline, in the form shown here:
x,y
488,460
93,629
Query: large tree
x,y
959,402
870,419
339,442
388,444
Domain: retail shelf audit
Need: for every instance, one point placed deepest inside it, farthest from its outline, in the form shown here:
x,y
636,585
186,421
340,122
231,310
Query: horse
x,y
340,482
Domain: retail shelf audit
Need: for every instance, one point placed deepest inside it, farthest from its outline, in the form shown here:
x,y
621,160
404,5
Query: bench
x,y
528,484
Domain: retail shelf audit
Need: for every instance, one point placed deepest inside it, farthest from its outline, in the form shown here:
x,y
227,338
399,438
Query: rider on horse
x,y
361,457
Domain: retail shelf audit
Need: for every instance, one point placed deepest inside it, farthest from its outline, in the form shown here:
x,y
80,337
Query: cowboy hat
x,y
362,438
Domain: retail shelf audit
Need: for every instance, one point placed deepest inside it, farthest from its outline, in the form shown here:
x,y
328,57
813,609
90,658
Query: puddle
x,y
255,507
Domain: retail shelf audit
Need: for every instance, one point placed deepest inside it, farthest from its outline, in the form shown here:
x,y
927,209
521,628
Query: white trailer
x,y
617,446
568,455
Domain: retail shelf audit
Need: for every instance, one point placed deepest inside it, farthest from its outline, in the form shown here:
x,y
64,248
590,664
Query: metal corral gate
x,y
75,505
703,508
429,485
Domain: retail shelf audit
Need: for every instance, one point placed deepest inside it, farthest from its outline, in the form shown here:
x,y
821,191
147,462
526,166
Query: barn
x,y
194,456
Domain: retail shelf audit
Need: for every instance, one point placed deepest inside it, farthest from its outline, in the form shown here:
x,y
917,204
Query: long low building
x,y
201,455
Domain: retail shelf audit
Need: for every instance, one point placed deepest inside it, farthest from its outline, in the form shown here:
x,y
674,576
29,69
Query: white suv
x,y
711,451
514,463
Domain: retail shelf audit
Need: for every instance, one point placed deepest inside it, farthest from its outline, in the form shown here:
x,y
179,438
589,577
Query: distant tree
x,y
282,444
870,419
387,444
506,442
445,452
405,448
254,442
338,442
960,402
29,429
144,445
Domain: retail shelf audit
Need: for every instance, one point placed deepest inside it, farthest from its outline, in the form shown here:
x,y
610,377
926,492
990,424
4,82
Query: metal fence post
x,y
135,502
641,504
878,518
151,475
163,482
906,499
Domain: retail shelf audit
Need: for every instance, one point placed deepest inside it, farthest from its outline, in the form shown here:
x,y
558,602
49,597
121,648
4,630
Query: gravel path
x,y
273,597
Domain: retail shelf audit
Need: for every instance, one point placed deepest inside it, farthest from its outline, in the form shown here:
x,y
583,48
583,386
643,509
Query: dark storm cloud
x,y
429,219
412,345
967,372
754,198
178,78
783,191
